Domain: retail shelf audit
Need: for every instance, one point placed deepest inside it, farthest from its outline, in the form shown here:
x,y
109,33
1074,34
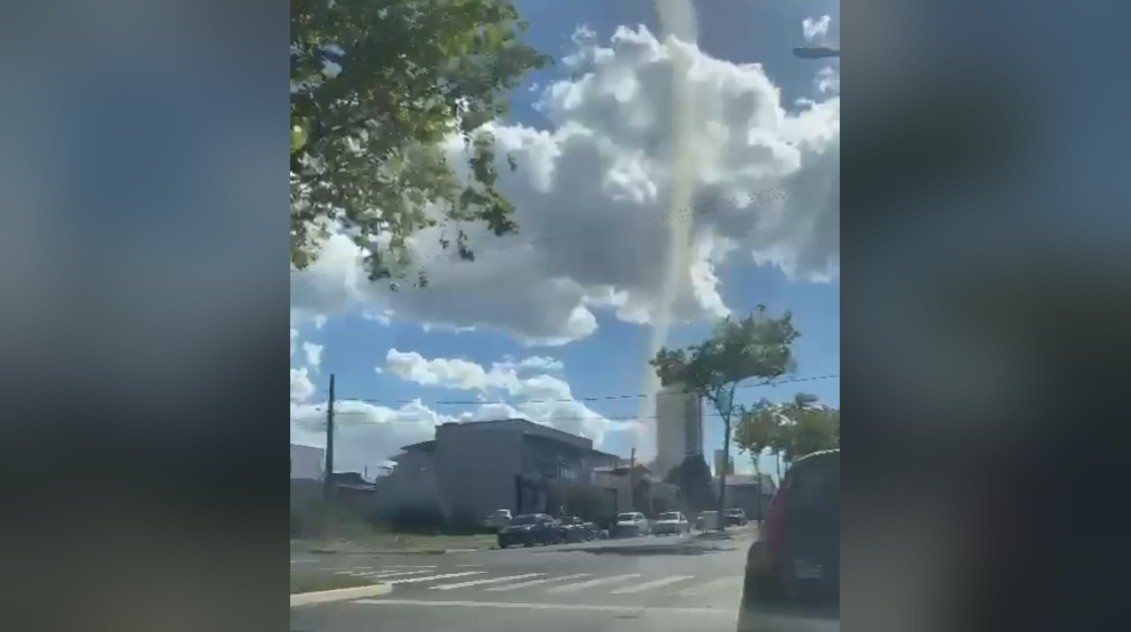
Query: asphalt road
x,y
650,583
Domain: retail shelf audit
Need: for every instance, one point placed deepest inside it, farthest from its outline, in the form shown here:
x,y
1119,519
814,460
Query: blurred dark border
x,y
146,302
981,494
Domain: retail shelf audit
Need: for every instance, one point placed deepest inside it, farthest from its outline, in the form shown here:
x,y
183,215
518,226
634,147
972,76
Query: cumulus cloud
x,y
591,194
541,398
816,29
313,353
366,435
301,386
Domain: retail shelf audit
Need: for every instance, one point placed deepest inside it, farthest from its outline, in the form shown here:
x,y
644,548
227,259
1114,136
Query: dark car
x,y
736,517
574,529
793,571
528,530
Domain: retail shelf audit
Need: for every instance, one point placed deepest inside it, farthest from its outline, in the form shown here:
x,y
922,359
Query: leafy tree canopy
x,y
376,87
758,347
791,430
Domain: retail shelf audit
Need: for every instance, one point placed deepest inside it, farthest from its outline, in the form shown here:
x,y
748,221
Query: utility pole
x,y
328,475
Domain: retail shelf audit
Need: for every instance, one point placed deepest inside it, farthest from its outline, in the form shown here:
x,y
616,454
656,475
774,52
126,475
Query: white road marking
x,y
644,610
411,566
480,582
429,578
639,588
712,586
589,584
537,582
388,574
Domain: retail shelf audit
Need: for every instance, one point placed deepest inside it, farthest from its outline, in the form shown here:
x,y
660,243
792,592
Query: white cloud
x,y
828,81
541,398
534,363
366,435
591,192
313,353
816,29
301,386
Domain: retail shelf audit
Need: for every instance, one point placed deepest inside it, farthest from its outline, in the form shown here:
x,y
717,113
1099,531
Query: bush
x,y
423,520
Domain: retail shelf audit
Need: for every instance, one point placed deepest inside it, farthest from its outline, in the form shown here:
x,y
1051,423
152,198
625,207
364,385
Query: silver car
x,y
671,523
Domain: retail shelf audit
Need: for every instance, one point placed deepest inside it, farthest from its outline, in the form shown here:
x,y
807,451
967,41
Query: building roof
x,y
536,431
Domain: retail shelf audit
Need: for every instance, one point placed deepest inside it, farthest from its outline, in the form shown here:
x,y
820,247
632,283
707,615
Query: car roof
x,y
821,455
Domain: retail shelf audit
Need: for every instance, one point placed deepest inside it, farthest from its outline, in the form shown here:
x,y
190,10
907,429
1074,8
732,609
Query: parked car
x,y
631,523
794,570
736,517
528,530
707,520
498,519
574,529
671,523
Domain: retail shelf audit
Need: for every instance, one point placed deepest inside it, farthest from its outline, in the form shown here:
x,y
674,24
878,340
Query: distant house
x,y
306,462
751,493
473,468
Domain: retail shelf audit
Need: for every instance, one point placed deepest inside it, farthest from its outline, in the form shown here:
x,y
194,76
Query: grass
x,y
310,582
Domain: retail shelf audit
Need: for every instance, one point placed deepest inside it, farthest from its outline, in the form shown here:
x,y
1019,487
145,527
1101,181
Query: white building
x,y
679,427
306,462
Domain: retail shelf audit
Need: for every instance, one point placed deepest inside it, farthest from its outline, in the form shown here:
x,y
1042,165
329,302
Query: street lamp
x,y
816,52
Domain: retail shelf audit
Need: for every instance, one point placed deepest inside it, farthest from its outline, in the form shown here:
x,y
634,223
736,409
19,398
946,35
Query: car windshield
x,y
626,516
527,519
501,513
671,515
734,512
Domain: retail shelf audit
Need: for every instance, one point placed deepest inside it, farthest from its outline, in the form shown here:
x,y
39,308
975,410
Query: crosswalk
x,y
545,583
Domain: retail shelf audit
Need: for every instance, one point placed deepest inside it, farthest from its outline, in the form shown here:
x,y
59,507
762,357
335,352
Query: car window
x,y
816,486
669,516
525,519
626,516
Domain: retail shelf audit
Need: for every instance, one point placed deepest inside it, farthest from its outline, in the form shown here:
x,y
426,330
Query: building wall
x,y
306,462
412,486
476,469
679,427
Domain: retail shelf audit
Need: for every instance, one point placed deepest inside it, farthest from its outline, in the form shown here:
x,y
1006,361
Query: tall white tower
x,y
679,427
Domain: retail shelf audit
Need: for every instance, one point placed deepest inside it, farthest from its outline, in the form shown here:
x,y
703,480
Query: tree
x,y
789,430
810,428
758,347
376,87
693,477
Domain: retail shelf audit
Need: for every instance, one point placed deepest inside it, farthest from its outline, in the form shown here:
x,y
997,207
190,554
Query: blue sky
x,y
352,337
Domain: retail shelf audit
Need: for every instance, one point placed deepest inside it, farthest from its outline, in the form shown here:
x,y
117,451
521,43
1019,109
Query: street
x,y
649,583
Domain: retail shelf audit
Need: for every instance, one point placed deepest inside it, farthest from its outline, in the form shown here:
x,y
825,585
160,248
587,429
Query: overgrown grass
x,y
315,522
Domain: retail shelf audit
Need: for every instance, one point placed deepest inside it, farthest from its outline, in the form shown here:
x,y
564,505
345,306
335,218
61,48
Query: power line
x,y
598,398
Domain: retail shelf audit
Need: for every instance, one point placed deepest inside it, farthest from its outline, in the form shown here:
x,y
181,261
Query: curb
x,y
390,551
339,594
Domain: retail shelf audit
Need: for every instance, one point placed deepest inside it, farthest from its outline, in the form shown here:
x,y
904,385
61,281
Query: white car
x,y
672,522
498,519
631,523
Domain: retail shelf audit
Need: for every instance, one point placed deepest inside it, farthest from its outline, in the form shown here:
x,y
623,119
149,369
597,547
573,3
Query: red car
x,y
793,572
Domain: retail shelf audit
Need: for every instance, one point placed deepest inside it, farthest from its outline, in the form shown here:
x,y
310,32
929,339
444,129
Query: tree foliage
x,y
789,430
693,478
758,347
366,141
